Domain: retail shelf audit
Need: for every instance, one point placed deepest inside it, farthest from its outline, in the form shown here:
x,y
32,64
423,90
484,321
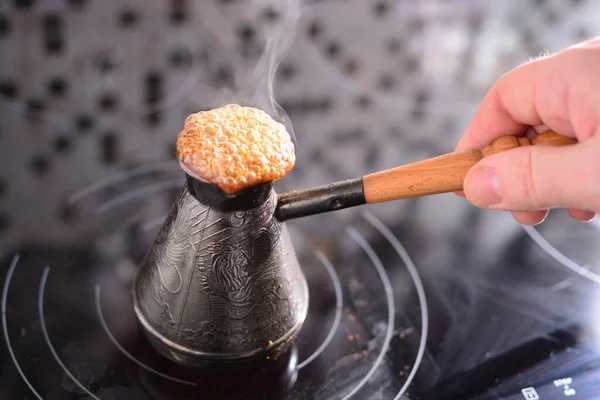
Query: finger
x,y
460,194
581,215
530,218
544,91
537,178
510,105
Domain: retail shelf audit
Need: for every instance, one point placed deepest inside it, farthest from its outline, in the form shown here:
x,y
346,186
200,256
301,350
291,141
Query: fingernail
x,y
482,187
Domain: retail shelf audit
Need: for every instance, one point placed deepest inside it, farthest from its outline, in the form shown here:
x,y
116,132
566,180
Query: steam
x,y
278,43
254,74
258,86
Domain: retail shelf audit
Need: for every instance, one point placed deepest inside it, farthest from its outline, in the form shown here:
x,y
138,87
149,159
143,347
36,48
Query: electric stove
x,y
384,322
425,298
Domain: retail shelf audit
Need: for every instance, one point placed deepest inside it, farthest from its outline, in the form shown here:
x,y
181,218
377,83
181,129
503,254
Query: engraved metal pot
x,y
221,284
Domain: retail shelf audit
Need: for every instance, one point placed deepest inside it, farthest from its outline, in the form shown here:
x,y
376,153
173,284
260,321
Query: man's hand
x,y
559,92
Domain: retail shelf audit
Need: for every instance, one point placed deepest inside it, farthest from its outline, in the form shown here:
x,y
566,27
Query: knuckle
x,y
529,193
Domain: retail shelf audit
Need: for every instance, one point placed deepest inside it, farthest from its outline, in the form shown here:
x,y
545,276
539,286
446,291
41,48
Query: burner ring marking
x,y
414,274
47,337
339,303
560,257
389,294
125,353
11,270
143,191
122,176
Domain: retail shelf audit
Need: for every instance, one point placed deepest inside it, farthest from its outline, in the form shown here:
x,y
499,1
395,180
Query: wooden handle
x,y
445,173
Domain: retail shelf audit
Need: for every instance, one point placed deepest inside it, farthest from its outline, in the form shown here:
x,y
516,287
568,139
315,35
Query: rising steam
x,y
252,83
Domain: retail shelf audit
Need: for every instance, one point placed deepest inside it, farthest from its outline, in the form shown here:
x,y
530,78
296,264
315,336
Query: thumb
x,y
537,177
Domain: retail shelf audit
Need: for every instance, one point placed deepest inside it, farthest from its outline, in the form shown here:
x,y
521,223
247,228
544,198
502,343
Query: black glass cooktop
x,y
386,321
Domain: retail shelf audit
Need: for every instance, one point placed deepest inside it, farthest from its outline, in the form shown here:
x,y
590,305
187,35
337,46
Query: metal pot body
x,y
221,284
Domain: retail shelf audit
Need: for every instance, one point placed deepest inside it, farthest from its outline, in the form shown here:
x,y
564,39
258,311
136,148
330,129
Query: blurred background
x,y
94,93
89,88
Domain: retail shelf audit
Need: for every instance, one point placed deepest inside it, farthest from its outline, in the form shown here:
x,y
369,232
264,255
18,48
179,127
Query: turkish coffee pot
x,y
221,284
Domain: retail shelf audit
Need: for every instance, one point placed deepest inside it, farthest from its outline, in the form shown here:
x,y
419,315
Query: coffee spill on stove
x,y
350,369
87,363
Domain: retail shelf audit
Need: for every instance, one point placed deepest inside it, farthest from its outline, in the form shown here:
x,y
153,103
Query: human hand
x,y
559,92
